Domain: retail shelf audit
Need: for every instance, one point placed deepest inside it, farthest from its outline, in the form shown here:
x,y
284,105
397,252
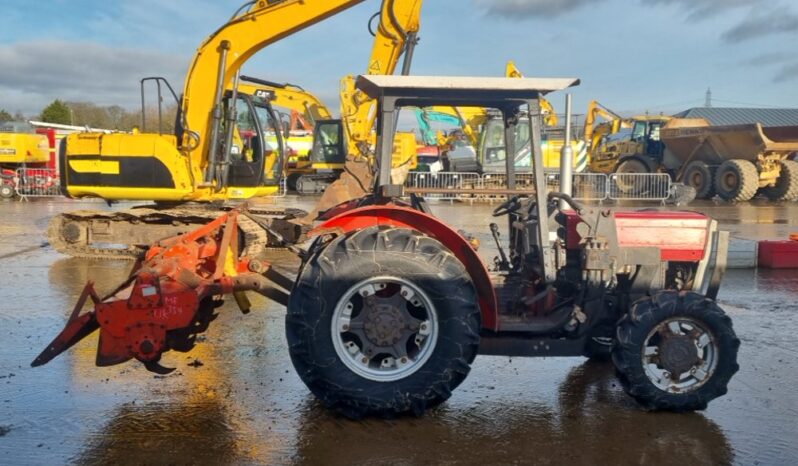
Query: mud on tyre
x,y
736,180
786,187
382,321
675,351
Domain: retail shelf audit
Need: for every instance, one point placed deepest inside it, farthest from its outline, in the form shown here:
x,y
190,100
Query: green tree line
x,y
111,117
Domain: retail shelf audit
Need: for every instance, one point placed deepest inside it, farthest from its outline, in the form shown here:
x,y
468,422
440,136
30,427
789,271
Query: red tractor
x,y
391,305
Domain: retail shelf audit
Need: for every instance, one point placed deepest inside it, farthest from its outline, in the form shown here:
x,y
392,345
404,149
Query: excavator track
x,y
125,234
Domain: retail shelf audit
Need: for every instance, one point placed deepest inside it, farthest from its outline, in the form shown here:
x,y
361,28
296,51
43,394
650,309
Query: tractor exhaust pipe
x,y
567,158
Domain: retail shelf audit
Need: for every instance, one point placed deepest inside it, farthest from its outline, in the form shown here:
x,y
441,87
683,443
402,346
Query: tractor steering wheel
x,y
510,205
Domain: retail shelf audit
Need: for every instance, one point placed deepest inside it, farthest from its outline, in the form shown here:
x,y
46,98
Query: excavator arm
x,y
592,133
546,109
220,57
399,22
288,96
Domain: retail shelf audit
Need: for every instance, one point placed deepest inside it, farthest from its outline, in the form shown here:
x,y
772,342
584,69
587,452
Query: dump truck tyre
x,y
338,336
699,175
736,180
629,166
706,370
786,188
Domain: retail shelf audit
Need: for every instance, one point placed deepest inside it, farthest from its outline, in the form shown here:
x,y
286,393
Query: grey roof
x,y
719,116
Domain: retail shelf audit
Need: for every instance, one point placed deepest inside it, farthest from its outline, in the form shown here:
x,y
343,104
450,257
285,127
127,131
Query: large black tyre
x,y
290,181
786,188
324,284
736,180
699,175
633,165
654,314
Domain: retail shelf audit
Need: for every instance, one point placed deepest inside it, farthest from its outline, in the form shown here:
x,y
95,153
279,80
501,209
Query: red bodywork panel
x,y
403,217
681,236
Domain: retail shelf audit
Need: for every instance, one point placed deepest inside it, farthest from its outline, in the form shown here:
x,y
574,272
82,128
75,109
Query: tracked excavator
x,y
218,155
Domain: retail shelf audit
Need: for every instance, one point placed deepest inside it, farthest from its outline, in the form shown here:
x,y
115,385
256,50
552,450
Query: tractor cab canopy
x,y
461,91
508,95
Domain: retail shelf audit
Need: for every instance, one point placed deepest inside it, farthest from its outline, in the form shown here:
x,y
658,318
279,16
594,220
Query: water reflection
x,y
595,423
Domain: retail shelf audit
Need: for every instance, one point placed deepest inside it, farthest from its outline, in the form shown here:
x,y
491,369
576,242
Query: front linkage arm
x,y
169,297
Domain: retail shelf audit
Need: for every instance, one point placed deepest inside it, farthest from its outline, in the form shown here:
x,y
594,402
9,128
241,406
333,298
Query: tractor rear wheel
x,y
699,175
786,188
675,351
736,180
383,321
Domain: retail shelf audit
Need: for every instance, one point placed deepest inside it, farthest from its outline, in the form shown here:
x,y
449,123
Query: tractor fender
x,y
403,217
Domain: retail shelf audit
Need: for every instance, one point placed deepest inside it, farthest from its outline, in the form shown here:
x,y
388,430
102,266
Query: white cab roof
x,y
374,84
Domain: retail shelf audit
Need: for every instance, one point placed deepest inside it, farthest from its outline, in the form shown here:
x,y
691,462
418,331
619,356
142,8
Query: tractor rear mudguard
x,y
403,217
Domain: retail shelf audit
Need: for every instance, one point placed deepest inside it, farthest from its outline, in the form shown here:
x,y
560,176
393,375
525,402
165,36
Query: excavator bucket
x,y
169,297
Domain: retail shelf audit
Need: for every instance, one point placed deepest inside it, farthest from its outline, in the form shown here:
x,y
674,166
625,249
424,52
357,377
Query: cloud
x,y
520,9
787,73
37,72
766,59
779,20
697,10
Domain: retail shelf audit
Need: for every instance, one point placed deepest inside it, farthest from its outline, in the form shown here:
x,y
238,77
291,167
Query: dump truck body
x,y
690,139
736,162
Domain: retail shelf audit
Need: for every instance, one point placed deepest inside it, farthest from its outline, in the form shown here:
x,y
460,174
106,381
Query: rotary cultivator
x,y
391,305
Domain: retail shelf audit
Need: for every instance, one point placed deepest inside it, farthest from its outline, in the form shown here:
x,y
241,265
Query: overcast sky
x,y
632,55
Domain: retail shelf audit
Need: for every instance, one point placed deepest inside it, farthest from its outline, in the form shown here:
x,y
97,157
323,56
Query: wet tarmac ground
x,y
241,402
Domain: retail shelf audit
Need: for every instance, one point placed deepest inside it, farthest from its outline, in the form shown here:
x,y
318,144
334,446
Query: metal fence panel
x,y
586,186
595,187
444,180
639,186
37,182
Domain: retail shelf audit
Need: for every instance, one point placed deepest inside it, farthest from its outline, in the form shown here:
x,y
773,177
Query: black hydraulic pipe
x,y
216,118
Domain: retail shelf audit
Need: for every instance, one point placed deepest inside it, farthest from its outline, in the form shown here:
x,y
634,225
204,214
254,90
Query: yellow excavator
x,y
305,111
219,152
20,146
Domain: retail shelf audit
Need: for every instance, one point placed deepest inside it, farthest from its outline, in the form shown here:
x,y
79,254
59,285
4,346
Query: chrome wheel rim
x,y
384,328
680,355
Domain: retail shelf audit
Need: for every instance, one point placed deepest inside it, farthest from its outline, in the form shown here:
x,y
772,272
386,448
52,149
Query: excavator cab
x,y
257,145
329,146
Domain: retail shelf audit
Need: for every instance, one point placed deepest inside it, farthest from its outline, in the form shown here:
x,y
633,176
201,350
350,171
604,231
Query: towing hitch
x,y
169,297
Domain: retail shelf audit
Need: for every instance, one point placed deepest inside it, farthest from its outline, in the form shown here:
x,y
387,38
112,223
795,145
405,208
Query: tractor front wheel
x,y
7,190
383,321
675,351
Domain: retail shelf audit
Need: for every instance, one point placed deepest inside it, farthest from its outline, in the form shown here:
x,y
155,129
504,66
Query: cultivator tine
x,y
76,329
170,297
154,366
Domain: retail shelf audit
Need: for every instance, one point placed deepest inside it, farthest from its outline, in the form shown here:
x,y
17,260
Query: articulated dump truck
x,y
736,162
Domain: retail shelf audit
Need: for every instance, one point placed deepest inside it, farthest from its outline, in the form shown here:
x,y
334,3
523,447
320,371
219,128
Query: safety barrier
x,y
596,187
638,186
444,180
37,182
